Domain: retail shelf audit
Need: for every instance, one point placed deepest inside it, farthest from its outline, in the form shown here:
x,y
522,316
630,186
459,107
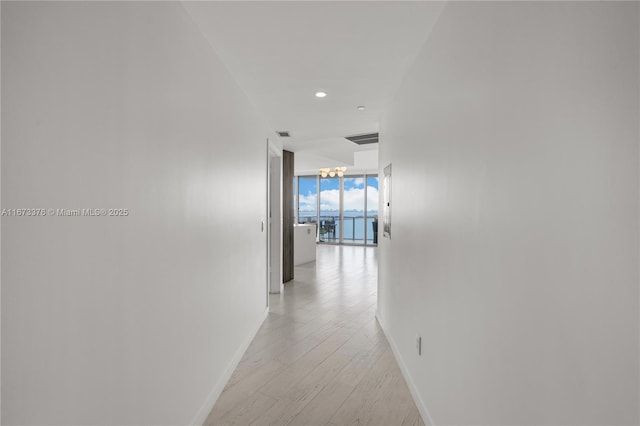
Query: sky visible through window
x,y
354,193
307,195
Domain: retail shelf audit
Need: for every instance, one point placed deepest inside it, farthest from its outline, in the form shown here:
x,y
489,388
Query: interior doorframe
x,y
274,219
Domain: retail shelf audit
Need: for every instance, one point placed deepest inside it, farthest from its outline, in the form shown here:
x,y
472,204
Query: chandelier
x,y
332,172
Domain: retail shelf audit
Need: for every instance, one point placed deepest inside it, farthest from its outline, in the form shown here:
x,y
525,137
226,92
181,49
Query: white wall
x,y
125,320
514,250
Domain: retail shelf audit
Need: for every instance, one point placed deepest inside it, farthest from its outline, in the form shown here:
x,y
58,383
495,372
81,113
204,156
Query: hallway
x,y
320,358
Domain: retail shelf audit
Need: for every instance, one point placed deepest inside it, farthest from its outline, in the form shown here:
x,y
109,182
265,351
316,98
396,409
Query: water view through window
x,y
350,219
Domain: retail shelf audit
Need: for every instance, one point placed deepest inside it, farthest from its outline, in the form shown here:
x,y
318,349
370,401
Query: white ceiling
x,y
281,53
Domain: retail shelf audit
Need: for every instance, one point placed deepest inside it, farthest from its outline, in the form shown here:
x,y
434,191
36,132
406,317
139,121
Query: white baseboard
x,y
422,408
219,386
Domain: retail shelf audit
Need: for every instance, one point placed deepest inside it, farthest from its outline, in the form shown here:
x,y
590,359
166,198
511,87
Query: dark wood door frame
x,y
287,215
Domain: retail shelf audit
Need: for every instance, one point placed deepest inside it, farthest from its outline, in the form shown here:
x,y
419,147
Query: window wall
x,y
354,207
307,199
330,207
345,209
372,210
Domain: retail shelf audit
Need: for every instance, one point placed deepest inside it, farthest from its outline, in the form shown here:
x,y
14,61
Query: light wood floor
x,y
320,358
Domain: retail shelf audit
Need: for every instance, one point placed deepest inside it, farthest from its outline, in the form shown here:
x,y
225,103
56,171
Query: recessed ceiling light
x,y
361,108
320,94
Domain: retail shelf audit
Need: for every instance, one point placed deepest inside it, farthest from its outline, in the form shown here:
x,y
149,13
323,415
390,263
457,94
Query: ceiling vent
x,y
284,134
364,139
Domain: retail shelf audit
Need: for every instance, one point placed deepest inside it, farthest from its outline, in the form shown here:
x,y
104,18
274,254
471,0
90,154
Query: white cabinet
x,y
304,243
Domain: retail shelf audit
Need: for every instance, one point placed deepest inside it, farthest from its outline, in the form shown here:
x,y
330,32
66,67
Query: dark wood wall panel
x,y
287,216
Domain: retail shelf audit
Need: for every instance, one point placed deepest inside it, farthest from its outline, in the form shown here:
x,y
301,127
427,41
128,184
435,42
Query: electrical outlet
x,y
419,344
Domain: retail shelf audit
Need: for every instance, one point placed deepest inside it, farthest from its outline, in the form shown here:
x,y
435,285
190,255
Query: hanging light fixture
x,y
327,171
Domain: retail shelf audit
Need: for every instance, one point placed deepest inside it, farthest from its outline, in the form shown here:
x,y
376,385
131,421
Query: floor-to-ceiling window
x,y
330,208
307,197
372,210
345,209
353,195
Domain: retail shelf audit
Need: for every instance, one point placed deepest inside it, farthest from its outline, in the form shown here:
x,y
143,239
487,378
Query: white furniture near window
x,y
304,243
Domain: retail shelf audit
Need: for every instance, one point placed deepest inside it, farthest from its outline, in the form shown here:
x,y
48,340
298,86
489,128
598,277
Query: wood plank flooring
x,y
320,358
